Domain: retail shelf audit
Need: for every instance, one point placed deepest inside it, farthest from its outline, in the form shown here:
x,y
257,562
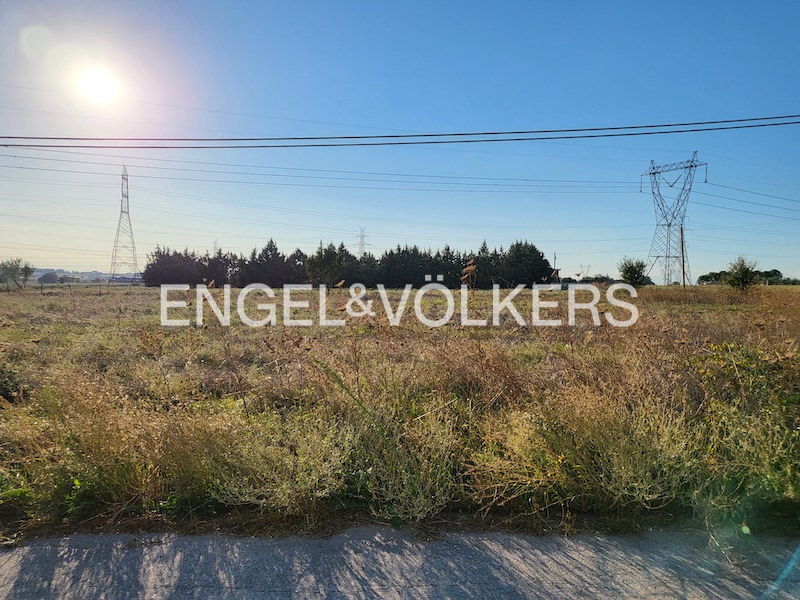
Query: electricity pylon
x,y
669,247
362,244
123,258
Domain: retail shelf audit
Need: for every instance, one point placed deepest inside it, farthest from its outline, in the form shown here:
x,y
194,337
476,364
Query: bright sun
x,y
98,85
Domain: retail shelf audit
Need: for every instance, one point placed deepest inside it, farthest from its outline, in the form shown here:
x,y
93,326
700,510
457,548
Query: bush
x,y
12,387
633,273
731,456
410,466
588,452
741,274
751,429
283,465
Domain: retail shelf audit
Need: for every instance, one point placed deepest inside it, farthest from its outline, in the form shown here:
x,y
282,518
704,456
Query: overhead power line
x,y
340,171
741,210
381,140
282,118
728,187
775,206
741,241
601,190
604,190
398,136
531,183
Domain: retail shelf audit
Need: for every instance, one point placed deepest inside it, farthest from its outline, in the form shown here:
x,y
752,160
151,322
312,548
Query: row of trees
x,y
522,262
740,274
771,277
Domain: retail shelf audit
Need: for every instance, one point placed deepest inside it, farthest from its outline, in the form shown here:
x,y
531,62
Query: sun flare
x,y
98,85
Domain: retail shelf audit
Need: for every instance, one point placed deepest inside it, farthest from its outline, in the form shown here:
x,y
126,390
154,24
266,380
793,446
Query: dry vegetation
x,y
108,415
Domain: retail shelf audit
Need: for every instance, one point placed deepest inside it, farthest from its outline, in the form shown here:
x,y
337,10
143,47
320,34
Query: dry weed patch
x,y
106,415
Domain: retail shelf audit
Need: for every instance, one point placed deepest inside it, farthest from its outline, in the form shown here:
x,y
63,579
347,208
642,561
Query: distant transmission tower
x,y
668,249
123,258
362,242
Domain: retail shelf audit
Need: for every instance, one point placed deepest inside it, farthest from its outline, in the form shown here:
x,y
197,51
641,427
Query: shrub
x,y
741,274
410,465
633,273
12,387
287,466
751,429
589,452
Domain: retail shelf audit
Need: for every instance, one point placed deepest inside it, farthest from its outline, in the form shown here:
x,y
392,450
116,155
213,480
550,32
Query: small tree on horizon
x,y
15,271
742,274
632,272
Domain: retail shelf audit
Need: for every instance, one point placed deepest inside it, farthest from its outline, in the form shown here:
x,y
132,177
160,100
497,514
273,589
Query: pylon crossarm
x,y
669,246
692,163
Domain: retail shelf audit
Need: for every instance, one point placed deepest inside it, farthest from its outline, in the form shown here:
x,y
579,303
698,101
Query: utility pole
x,y
670,215
683,259
555,274
123,257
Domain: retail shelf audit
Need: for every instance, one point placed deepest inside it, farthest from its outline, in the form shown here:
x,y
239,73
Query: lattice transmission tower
x,y
668,249
123,258
362,242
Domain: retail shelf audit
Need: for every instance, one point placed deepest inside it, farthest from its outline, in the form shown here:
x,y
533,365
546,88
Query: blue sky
x,y
320,68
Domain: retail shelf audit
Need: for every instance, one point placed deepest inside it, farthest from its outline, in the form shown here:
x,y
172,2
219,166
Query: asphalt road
x,y
375,562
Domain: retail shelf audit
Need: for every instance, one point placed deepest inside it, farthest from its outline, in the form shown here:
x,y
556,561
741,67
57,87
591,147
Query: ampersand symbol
x,y
357,293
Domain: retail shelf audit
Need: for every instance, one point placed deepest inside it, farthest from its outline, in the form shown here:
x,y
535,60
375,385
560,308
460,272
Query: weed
x,y
695,409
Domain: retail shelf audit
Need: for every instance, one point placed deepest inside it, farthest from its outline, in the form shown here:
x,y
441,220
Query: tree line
x,y
734,271
522,262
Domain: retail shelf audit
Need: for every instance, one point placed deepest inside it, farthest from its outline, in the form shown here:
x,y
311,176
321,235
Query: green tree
x,y
771,277
267,266
632,272
368,270
16,271
598,278
713,277
742,274
349,266
296,263
172,266
49,277
325,265
525,263
220,268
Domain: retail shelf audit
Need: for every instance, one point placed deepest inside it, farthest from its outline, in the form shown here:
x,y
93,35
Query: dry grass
x,y
108,415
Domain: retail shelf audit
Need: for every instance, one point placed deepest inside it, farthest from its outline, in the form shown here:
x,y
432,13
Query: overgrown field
x,y
109,416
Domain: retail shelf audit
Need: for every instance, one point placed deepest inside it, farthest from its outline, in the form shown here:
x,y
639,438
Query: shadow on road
x,y
385,563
